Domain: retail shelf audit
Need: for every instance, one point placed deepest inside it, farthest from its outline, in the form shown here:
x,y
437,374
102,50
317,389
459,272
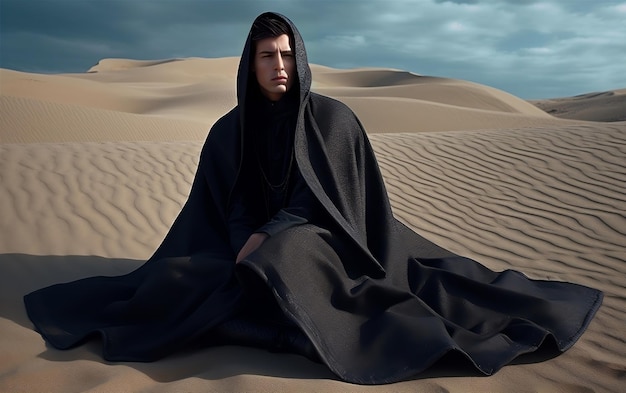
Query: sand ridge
x,y
607,106
179,99
90,185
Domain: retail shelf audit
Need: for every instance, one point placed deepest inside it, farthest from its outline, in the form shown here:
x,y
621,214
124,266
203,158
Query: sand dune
x,y
117,96
94,167
606,106
27,120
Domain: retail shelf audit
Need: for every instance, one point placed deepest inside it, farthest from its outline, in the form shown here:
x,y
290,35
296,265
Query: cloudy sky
x,y
533,49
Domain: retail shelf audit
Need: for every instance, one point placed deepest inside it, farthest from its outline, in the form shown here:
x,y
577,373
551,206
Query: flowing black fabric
x,y
377,302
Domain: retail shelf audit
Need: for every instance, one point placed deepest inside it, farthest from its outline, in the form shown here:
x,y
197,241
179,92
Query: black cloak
x,y
378,302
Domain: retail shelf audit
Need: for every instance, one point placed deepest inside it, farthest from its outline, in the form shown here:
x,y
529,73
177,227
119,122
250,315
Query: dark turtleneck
x,y
273,128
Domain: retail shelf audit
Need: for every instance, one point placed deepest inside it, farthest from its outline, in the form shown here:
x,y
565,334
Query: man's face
x,y
274,66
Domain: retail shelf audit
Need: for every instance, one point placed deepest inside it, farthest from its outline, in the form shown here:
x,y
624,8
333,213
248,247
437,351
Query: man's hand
x,y
254,241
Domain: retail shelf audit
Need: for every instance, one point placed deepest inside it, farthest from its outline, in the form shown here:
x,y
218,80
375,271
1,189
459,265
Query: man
x,y
288,242
274,69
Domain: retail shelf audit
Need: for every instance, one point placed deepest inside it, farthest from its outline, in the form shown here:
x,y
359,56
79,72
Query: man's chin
x,y
275,93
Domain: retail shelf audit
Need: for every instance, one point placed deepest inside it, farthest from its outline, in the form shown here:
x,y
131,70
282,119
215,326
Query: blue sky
x,y
532,49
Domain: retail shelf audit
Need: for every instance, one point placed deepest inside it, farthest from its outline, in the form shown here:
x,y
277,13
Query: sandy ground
x,y
94,167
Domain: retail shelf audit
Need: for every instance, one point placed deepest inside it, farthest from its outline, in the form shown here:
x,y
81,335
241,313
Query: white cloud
x,y
621,8
345,41
455,26
537,51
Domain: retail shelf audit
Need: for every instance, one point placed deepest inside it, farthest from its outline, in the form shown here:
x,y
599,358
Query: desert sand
x,y
598,106
95,166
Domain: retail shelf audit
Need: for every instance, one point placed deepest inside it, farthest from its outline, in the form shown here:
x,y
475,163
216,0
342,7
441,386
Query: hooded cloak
x,y
377,302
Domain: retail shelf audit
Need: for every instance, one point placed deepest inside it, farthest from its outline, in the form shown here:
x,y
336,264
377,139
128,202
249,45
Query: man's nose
x,y
280,65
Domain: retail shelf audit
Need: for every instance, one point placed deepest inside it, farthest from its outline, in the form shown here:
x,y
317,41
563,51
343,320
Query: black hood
x,y
247,81
250,101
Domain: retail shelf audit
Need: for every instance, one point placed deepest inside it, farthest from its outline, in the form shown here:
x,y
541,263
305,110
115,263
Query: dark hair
x,y
268,26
